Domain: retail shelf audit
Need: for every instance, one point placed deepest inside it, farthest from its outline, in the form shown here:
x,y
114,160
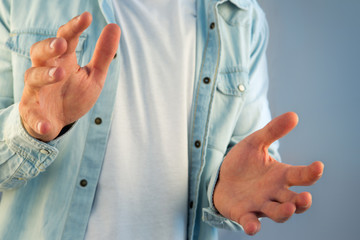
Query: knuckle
x,y
36,46
27,75
37,49
61,29
32,49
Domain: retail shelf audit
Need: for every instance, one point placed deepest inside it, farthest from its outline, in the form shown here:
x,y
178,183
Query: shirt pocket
x,y
233,83
19,44
228,101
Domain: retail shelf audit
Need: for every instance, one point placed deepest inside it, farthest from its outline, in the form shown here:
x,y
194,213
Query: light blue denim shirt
x,y
43,197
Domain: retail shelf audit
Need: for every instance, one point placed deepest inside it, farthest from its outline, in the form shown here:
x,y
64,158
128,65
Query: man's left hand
x,y
252,184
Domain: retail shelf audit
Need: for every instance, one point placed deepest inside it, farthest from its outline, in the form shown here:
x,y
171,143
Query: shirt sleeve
x,y
21,156
254,115
211,216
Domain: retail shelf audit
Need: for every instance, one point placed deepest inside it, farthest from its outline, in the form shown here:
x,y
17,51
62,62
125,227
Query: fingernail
x,y
38,127
77,18
52,44
52,72
255,230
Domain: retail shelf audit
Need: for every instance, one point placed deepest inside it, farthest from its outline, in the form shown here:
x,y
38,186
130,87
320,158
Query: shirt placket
x,y
201,114
96,142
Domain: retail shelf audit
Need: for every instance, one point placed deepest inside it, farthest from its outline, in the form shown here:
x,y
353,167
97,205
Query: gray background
x,y
313,58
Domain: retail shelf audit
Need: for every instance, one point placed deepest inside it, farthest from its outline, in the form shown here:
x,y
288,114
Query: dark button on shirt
x,y
83,183
98,121
206,80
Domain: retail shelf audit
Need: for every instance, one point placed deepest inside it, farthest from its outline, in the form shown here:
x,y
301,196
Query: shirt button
x,y
212,25
44,151
241,88
98,121
197,143
206,80
191,204
83,183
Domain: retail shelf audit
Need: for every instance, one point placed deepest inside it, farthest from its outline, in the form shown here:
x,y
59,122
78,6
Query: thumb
x,y
274,130
104,52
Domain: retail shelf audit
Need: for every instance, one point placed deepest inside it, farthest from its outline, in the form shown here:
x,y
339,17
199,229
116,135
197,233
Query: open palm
x,y
252,184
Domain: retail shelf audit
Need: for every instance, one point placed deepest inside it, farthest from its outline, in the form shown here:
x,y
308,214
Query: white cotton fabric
x,y
143,187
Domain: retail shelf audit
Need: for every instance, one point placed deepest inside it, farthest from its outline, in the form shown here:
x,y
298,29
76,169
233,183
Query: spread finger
x,y
278,212
72,30
37,77
47,49
303,202
304,175
250,223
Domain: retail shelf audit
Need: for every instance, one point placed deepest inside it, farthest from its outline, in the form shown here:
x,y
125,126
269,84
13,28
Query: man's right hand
x,y
57,90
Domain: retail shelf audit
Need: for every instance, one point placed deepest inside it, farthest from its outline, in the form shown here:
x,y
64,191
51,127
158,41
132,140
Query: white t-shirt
x,y
143,187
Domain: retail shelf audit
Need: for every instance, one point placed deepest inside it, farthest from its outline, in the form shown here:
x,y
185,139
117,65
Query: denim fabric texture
x,y
42,194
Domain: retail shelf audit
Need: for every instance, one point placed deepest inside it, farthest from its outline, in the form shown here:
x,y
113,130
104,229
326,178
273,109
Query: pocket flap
x,y
233,83
21,42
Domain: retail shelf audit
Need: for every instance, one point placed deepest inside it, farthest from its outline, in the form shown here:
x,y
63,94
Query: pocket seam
x,y
39,35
